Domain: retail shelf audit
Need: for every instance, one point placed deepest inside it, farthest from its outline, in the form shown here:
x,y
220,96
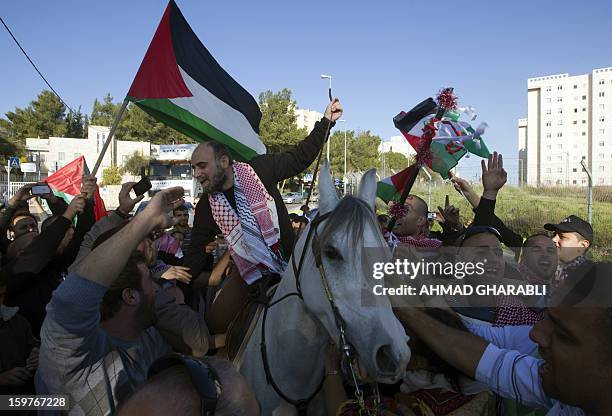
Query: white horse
x,y
298,329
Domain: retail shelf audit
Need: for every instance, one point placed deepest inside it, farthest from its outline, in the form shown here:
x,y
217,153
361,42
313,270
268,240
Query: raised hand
x,y
76,206
464,188
157,211
493,175
450,215
88,189
334,110
126,202
22,195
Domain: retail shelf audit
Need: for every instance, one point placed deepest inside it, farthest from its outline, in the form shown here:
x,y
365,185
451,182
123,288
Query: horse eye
x,y
332,253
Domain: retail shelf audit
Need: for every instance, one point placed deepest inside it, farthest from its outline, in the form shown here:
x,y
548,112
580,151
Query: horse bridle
x,y
347,350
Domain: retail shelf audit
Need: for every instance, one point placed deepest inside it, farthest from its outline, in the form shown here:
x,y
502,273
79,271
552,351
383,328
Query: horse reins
x,y
346,349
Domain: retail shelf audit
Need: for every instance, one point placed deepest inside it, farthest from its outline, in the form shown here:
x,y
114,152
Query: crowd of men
x,y
128,314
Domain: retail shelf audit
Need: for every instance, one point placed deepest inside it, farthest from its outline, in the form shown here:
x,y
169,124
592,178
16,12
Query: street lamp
x,y
328,77
344,177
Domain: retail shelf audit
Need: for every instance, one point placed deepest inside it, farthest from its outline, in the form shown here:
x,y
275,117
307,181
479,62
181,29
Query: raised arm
x,y
105,263
297,159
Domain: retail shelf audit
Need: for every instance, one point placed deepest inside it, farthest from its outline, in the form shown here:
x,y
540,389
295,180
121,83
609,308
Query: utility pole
x,y
590,195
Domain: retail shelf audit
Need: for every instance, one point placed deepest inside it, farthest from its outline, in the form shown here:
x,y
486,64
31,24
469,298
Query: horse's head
x,y
373,331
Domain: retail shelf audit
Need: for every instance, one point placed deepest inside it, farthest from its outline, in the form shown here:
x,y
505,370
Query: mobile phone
x,y
432,216
142,186
40,190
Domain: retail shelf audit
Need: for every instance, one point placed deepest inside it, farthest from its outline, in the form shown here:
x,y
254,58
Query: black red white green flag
x,y
182,85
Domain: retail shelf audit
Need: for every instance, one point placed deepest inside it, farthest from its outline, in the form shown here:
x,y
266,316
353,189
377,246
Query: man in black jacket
x,y
216,172
33,276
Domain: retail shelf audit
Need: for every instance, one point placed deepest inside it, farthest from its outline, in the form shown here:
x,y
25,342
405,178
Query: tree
x,y
363,151
394,161
74,124
111,176
44,117
139,126
8,145
135,163
278,129
103,114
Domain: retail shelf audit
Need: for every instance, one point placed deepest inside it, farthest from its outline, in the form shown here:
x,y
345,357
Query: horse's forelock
x,y
351,215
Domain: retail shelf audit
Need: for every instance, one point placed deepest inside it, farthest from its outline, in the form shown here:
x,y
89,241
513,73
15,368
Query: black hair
x,y
220,150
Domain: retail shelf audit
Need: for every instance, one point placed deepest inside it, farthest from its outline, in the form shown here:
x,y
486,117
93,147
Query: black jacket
x,y
33,276
271,168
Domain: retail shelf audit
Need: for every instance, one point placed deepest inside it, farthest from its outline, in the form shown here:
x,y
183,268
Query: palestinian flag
x,y
390,188
66,183
180,84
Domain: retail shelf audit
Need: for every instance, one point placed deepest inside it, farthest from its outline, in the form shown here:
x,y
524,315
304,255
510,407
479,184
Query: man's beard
x,y
215,184
146,312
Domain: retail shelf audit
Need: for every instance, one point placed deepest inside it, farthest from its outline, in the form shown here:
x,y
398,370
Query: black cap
x,y
573,224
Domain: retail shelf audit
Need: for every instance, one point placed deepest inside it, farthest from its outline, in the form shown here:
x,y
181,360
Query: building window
x,y
548,88
602,156
602,131
548,124
583,108
575,121
548,170
61,156
584,97
574,182
583,121
575,86
584,133
602,168
560,123
560,111
601,93
548,112
574,170
559,170
559,99
548,135
548,158
602,106
559,87
549,147
602,143
601,119
575,110
559,146
559,134
548,100
601,82
560,157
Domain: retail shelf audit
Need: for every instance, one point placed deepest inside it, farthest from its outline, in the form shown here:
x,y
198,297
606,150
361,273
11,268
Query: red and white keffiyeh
x,y
420,242
252,233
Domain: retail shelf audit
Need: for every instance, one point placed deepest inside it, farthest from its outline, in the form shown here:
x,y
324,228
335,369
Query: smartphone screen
x,y
40,190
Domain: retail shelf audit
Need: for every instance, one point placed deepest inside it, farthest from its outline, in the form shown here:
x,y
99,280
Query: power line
x,y
34,65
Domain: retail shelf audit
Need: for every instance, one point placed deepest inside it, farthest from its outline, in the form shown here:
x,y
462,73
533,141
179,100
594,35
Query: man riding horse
x,y
241,201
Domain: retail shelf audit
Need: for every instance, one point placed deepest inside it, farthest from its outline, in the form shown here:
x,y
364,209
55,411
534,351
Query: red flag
x,y
66,183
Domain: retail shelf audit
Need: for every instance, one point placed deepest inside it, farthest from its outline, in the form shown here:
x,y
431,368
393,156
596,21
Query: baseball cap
x,y
573,224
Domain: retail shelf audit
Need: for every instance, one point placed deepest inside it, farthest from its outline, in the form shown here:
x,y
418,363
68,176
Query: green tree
x,y
111,176
8,145
394,161
74,124
139,126
278,129
135,163
363,151
44,117
104,113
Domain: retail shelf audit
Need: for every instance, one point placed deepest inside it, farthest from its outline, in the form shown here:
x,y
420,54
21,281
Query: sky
x,y
384,56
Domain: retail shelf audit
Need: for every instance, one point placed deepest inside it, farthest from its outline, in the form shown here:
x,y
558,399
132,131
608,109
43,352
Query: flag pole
x,y
110,137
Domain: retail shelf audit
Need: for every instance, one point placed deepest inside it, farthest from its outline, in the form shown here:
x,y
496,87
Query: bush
x,y
135,163
111,176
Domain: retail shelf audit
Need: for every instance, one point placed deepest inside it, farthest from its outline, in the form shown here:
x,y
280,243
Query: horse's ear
x,y
328,198
367,188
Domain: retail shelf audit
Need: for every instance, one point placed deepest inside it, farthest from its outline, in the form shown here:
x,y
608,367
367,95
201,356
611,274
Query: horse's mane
x,y
351,215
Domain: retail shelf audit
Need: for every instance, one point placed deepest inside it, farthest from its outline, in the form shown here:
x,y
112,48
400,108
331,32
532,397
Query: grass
x,y
526,210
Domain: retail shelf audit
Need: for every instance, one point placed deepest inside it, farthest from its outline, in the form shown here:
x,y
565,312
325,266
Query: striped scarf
x,y
252,233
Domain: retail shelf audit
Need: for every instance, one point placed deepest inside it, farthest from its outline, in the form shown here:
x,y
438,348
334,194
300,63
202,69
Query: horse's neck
x,y
295,341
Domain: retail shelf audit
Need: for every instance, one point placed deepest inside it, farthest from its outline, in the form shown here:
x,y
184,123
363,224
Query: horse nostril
x,y
386,364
